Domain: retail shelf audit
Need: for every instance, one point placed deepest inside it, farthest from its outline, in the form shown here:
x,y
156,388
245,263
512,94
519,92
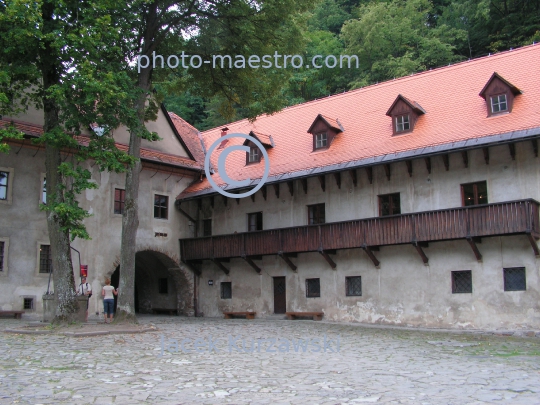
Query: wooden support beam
x,y
225,199
428,164
534,245
327,258
338,179
387,171
288,261
199,203
253,197
409,167
276,189
263,190
304,185
353,177
512,147
221,266
253,265
535,147
212,202
421,252
322,180
465,157
290,184
474,248
486,155
371,255
446,161
369,171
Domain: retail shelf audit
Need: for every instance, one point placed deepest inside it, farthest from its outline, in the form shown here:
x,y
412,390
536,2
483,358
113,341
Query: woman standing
x,y
108,299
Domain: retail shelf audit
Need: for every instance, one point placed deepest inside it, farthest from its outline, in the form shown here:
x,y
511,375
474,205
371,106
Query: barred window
x,y
119,200
461,282
389,204
2,246
45,259
353,286
313,287
226,290
316,214
514,279
163,286
28,303
161,206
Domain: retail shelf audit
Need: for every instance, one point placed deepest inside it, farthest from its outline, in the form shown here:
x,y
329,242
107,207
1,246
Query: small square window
x,y
254,155
207,227
313,287
514,279
389,204
28,303
321,140
45,259
2,246
316,214
119,200
255,221
403,123
161,206
353,286
499,103
226,290
4,177
461,282
163,286
474,193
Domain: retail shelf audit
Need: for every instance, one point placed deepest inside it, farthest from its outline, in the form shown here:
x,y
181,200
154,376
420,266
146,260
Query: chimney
x,y
223,133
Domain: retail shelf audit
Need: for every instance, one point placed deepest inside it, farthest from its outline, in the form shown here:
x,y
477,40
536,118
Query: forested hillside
x,y
391,38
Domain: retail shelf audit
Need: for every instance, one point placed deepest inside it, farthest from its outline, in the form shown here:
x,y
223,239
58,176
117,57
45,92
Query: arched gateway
x,y
161,284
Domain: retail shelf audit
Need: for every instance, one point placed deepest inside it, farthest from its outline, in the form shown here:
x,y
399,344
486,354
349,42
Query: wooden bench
x,y
166,311
15,314
317,316
248,314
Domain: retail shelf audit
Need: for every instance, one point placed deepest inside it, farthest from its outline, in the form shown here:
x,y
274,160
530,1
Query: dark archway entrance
x,y
159,283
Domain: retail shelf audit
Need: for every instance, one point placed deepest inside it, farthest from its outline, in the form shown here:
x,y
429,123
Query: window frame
x,y
161,208
390,204
4,257
317,141
308,293
254,155
475,193
40,245
505,287
258,221
222,290
313,207
403,123
32,303
491,104
43,189
347,280
122,200
9,185
454,286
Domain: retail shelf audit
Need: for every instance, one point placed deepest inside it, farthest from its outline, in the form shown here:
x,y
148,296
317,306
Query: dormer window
x,y
404,113
254,155
403,123
499,94
324,130
321,140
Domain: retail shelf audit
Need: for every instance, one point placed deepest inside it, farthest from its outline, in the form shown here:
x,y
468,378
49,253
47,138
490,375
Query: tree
x,y
58,56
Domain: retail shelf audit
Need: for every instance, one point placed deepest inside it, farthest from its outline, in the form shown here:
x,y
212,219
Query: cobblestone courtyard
x,y
367,365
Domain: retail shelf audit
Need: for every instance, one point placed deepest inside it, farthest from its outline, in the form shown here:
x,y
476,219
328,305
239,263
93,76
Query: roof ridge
x,y
176,116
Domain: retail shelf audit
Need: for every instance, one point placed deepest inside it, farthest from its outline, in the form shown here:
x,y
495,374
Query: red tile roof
x,y
266,140
190,135
147,154
455,114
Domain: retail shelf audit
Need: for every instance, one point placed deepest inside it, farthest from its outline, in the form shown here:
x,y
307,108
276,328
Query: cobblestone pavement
x,y
368,365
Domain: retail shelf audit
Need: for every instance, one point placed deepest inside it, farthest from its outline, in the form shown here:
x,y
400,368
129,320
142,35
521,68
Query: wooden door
x,y
280,300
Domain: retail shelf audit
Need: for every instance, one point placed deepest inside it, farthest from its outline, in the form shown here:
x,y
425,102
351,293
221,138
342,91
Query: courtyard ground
x,y
268,361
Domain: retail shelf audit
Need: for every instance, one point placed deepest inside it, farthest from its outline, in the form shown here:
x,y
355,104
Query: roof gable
x,y
412,104
497,77
329,122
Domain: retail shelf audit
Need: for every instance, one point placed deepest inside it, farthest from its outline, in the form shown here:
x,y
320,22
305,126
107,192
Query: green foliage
x,y
9,132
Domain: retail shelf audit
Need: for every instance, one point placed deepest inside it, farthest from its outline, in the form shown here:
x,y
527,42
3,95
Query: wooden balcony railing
x,y
506,218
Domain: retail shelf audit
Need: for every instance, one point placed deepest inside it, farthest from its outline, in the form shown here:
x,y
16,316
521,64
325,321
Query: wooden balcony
x,y
468,223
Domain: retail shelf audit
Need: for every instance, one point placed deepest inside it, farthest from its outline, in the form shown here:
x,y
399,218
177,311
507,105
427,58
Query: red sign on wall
x,y
84,270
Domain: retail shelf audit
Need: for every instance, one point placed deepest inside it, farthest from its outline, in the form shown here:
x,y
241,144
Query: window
x,y
514,279
45,259
321,140
226,290
2,246
313,287
254,155
28,303
389,204
163,286
207,227
403,123
474,193
161,204
499,104
316,214
44,191
353,286
119,200
4,177
255,221
461,282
